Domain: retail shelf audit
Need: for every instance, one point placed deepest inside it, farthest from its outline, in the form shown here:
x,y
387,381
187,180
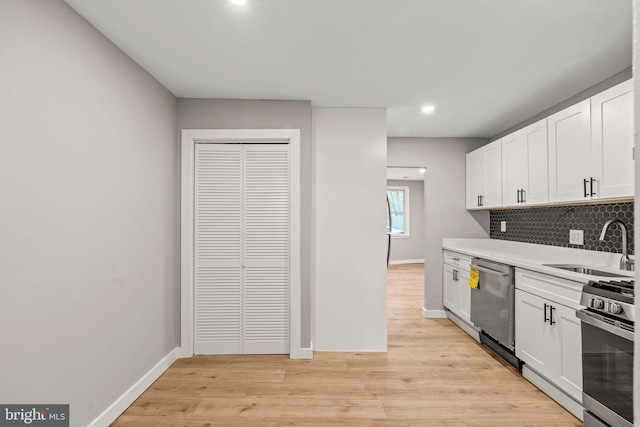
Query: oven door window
x,y
607,369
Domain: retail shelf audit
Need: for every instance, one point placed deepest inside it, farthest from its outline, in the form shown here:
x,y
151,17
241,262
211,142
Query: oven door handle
x,y
591,320
488,270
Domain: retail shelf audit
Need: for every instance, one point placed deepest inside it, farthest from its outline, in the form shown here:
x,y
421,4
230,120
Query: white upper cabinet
x,y
524,166
484,177
590,148
492,196
514,177
612,142
580,154
570,153
475,179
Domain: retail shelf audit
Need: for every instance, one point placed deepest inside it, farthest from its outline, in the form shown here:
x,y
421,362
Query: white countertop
x,y
533,257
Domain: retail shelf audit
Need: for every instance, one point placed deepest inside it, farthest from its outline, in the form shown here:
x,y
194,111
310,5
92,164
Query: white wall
x,y
350,240
266,114
445,212
410,248
89,295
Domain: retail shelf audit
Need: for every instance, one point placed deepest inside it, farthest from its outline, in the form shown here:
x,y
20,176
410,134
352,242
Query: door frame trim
x,y
190,137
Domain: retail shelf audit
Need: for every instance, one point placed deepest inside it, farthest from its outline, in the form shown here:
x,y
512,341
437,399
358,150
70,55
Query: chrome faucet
x,y
626,263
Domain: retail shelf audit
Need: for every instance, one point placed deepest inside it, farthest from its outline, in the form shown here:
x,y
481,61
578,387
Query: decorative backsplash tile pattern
x,y
551,225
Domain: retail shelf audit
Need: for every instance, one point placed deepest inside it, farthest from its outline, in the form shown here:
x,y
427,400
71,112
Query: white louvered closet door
x,y
218,249
266,249
241,249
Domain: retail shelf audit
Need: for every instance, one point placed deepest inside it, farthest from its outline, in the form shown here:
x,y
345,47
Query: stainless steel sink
x,y
583,269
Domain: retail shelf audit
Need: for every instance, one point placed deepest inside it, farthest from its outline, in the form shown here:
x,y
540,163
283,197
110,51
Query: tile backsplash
x,y
551,225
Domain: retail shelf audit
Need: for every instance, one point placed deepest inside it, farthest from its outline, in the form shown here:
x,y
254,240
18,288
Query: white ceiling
x,y
485,64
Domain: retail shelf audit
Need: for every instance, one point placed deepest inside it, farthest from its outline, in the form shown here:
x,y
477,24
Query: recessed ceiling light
x,y
422,170
428,109
238,2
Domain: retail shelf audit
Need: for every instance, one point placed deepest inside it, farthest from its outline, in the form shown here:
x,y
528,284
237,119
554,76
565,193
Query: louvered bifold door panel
x,y
266,249
218,249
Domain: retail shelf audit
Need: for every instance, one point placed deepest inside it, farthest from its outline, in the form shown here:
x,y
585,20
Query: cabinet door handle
x,y
592,180
518,197
522,195
585,187
455,275
551,321
546,319
478,200
481,200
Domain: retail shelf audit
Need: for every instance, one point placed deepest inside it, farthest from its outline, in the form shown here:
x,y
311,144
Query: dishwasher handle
x,y
488,270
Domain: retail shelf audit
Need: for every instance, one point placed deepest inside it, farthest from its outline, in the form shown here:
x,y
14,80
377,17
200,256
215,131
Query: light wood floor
x,y
432,375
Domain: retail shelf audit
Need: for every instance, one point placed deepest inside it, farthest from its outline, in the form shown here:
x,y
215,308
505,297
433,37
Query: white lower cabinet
x,y
533,333
451,293
548,336
548,340
464,307
456,293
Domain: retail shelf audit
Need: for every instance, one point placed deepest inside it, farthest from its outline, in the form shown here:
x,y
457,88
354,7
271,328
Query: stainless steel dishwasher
x,y
492,308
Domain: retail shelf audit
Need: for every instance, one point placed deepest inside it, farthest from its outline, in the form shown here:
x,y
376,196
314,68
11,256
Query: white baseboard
x,y
302,353
407,261
553,392
434,314
184,353
123,402
463,325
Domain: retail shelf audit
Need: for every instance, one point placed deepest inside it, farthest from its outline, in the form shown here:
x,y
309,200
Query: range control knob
x,y
597,303
615,308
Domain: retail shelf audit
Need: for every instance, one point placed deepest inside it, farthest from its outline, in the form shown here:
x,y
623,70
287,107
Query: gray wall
x,y
89,245
263,114
445,212
412,247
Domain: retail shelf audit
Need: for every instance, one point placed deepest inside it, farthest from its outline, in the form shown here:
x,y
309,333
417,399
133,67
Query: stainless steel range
x,y
607,353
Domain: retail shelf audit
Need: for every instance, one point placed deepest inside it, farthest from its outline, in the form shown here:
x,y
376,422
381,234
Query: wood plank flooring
x,y
433,375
